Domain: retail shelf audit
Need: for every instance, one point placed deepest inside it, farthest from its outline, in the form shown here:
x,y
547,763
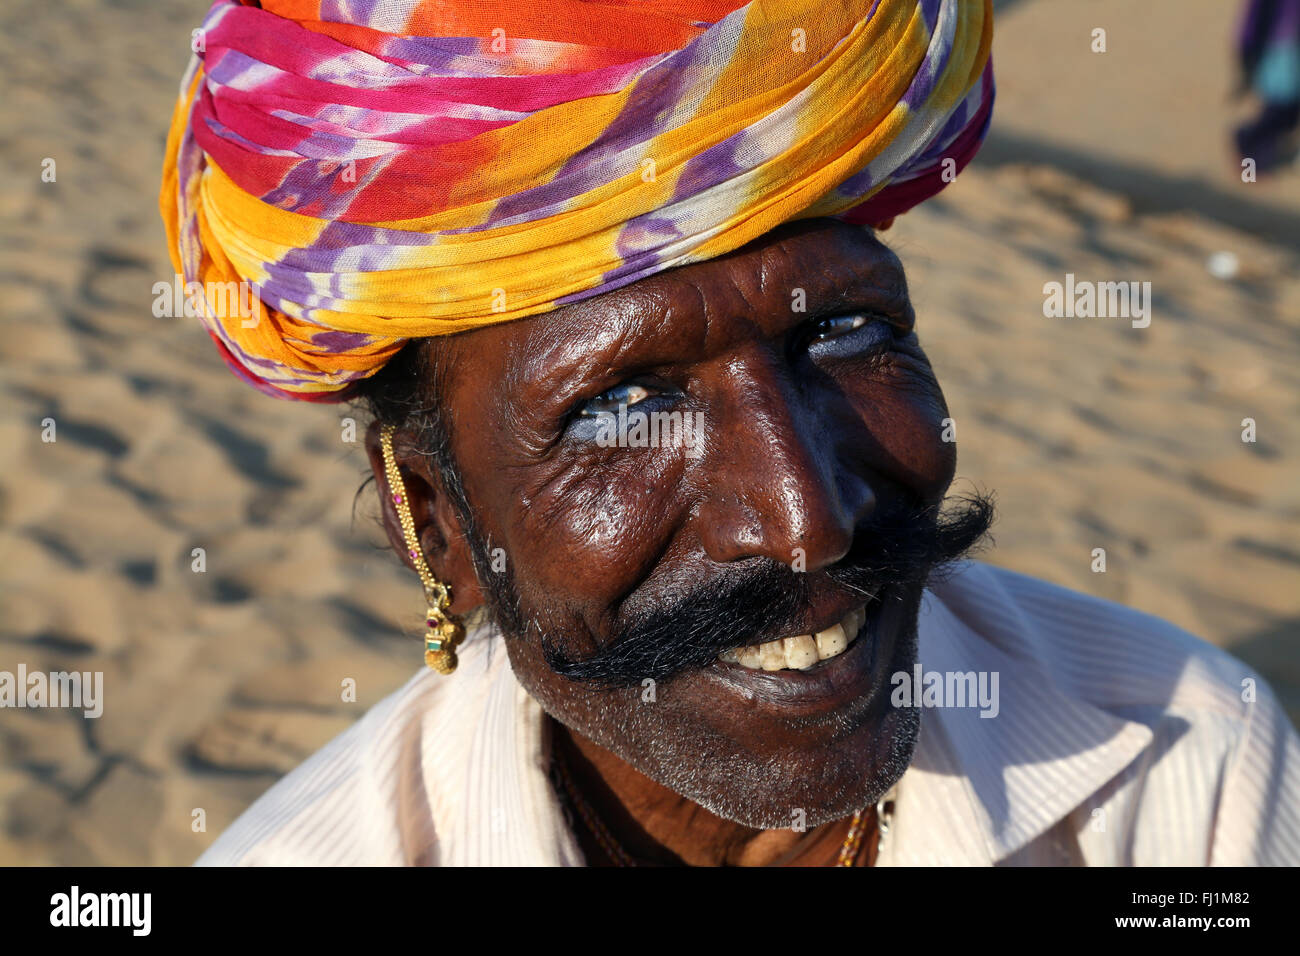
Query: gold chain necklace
x,y
849,849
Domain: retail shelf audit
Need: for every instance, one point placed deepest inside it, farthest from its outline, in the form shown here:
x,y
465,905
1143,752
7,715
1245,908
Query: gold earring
x,y
444,630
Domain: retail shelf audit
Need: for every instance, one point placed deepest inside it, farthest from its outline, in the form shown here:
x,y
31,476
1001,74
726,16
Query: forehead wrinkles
x,y
753,289
762,285
660,321
825,263
588,338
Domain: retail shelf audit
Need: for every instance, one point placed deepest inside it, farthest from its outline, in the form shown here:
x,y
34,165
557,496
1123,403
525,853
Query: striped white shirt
x,y
1119,740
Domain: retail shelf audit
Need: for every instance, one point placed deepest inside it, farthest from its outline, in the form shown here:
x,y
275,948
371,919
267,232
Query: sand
x,y
1093,434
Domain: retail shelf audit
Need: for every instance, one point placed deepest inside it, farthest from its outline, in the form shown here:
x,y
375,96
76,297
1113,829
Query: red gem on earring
x,y
413,552
397,498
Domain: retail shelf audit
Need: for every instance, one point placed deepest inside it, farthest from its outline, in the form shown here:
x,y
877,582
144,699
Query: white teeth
x,y
771,656
831,641
801,651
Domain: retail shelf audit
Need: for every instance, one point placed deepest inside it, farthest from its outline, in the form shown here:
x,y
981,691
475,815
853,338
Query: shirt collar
x,y
980,788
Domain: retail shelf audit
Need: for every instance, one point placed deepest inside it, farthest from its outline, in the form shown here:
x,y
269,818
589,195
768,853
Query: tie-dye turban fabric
x,y
391,169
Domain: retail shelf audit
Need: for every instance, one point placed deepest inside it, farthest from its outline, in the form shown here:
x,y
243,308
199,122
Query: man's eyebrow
x,y
581,348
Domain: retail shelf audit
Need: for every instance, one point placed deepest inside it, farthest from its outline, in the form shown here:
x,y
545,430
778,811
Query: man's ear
x,y
438,528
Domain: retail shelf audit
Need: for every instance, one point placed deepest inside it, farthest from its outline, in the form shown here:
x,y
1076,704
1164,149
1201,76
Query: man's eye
x,y
610,400
851,334
838,325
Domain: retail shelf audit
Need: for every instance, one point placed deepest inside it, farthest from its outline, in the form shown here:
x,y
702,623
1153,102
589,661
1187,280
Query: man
x,y
652,415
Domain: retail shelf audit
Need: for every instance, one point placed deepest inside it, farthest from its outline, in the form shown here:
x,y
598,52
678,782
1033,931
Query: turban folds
x,y
392,169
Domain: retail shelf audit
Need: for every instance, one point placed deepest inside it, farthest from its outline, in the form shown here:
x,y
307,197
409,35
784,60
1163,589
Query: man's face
x,y
807,501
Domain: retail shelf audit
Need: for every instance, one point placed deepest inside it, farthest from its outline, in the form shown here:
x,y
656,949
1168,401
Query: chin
x,y
761,760
815,786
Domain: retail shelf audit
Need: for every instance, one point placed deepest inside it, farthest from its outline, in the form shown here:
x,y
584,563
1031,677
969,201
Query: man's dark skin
x,y
813,420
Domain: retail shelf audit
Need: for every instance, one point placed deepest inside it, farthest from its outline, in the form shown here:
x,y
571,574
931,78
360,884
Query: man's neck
x,y
658,826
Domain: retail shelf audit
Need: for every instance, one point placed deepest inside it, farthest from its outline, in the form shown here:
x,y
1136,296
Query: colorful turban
x,y
383,170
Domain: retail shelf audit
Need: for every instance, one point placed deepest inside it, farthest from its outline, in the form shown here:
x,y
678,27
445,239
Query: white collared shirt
x,y
1118,740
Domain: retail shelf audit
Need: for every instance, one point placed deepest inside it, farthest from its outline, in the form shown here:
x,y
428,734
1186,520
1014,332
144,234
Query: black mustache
x,y
895,552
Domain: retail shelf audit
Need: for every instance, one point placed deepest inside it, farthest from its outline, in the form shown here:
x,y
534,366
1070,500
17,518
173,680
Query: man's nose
x,y
777,486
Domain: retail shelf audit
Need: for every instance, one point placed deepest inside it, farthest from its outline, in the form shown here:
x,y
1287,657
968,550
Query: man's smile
x,y
800,651
847,681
